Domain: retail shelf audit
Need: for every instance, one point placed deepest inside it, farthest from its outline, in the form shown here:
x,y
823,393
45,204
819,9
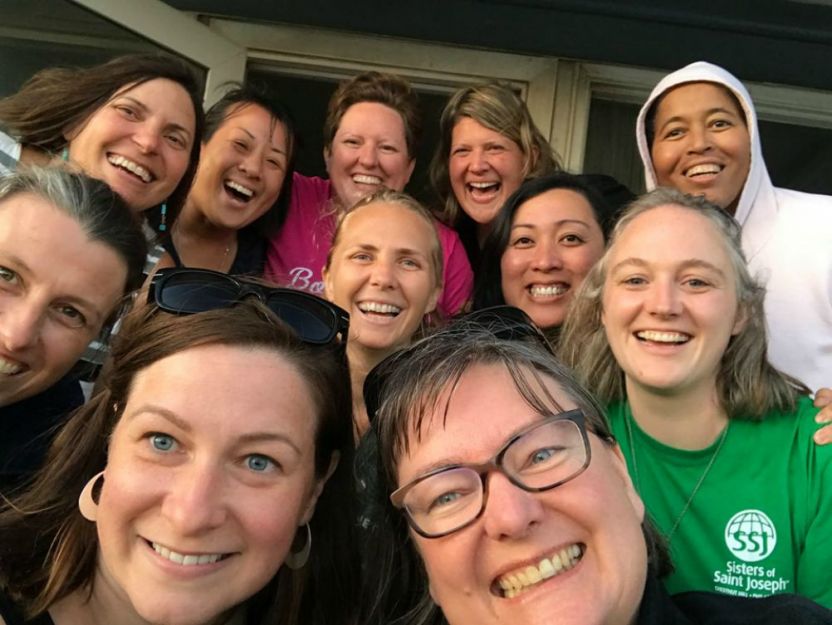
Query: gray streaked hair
x,y
747,384
100,212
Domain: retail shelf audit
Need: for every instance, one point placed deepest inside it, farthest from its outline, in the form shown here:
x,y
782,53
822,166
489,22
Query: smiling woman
x,y
241,189
371,134
198,479
69,252
507,501
134,122
668,329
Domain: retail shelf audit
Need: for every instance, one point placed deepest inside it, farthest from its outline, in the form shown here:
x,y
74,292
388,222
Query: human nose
x,y
367,155
547,256
195,501
147,136
510,511
252,164
663,299
383,274
20,325
699,139
478,163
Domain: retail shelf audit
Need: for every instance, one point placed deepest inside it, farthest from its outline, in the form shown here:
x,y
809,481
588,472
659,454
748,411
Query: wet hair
x,y
49,550
387,89
60,98
398,198
748,386
488,284
650,117
101,214
497,107
414,389
235,100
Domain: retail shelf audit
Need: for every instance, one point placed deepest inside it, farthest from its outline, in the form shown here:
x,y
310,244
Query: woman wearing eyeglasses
x,y
206,482
508,501
669,331
385,269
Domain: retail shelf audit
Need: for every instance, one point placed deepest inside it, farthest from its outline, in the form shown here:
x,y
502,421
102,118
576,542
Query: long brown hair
x,y
58,98
48,550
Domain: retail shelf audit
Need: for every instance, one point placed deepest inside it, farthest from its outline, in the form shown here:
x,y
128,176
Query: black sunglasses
x,y
184,291
503,321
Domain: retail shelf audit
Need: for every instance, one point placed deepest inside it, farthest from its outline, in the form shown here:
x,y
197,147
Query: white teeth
x,y
548,290
483,185
7,367
378,307
708,168
133,168
366,179
512,584
186,560
239,188
663,337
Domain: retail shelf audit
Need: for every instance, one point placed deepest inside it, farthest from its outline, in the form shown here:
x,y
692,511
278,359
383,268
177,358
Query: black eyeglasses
x,y
184,291
503,321
543,456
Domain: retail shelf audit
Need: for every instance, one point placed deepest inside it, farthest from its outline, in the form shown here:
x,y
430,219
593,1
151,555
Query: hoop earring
x,y
163,221
88,499
297,559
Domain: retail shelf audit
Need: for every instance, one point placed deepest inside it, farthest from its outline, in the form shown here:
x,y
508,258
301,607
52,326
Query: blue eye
x,y
162,442
259,463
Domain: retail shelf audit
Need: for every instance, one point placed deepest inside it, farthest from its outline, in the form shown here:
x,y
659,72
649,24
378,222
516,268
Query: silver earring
x,y
297,559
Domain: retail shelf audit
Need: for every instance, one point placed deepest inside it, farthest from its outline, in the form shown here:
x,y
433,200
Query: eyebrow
x,y
250,437
708,113
253,138
399,250
143,106
559,222
685,264
89,307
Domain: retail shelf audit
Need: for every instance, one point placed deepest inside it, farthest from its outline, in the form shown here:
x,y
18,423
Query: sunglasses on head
x,y
503,321
184,291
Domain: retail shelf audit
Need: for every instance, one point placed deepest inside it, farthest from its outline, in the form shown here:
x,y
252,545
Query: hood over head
x,y
702,71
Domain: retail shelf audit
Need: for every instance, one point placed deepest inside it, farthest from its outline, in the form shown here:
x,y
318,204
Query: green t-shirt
x,y
761,521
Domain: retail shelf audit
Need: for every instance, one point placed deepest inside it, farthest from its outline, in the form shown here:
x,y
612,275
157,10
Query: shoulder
x,y
306,188
716,609
798,204
10,150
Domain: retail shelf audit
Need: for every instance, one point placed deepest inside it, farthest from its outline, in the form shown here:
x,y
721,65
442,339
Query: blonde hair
x,y
748,386
497,107
388,196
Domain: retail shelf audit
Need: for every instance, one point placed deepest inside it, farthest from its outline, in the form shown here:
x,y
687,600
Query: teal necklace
x,y
627,420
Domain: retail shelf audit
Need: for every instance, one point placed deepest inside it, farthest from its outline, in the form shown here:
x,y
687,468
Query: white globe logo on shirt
x,y
750,535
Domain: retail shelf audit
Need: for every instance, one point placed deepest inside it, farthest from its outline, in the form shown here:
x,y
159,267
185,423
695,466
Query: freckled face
x,y
139,142
701,144
597,510
554,242
209,475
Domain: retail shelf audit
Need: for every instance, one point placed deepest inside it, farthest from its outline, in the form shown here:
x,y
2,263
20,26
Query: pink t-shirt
x,y
297,254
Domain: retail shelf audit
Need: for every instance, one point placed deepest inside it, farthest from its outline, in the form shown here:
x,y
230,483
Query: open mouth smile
x,y
483,190
366,179
190,559
379,308
10,367
543,291
705,169
522,579
131,167
238,191
668,338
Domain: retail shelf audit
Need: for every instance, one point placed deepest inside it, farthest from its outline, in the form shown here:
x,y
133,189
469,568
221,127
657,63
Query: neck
x,y
362,361
483,230
104,606
690,420
201,243
31,155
